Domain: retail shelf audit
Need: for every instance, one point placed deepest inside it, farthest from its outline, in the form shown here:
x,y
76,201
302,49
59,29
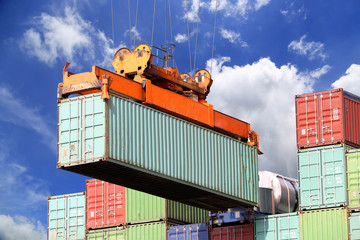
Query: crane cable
x,y
197,31
129,22
187,18
112,22
153,24
171,35
212,49
137,8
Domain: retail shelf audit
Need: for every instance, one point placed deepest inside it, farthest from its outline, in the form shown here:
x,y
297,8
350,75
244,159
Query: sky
x,y
263,53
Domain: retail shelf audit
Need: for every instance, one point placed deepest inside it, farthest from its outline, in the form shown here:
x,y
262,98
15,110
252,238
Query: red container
x,y
105,204
326,118
238,232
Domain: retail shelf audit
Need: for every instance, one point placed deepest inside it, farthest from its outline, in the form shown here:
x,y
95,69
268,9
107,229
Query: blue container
x,y
66,217
198,231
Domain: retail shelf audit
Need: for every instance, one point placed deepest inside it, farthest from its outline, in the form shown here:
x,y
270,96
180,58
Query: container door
x,y
330,117
57,219
307,120
288,227
310,179
354,226
353,179
76,217
266,229
115,205
334,182
95,191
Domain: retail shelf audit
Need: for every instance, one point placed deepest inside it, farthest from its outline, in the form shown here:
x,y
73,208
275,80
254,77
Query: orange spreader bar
x,y
101,80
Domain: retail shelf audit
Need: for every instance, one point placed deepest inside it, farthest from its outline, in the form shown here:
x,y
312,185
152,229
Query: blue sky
x,y
265,52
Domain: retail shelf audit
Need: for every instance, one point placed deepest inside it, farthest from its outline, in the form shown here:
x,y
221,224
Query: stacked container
x,y
114,211
328,132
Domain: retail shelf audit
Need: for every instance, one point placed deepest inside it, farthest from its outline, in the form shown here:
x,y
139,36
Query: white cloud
x,y
317,73
19,227
180,38
134,32
310,49
350,81
232,36
66,37
16,111
263,95
261,3
284,12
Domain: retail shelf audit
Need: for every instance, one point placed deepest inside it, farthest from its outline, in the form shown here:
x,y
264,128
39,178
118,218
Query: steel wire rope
x,y
166,54
129,22
112,23
171,35
212,49
187,18
136,16
197,32
153,24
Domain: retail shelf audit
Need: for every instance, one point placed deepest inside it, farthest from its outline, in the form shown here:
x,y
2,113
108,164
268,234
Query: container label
x,y
303,131
335,114
354,193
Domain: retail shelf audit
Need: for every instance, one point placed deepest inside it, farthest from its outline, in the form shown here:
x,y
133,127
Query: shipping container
x,y
324,224
114,233
353,179
105,204
129,144
148,231
238,232
199,231
322,177
354,226
66,217
276,227
326,118
143,207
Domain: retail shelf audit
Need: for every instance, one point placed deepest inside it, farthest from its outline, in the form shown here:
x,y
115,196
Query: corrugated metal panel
x,y
324,224
143,207
279,226
194,165
239,232
354,226
66,217
327,117
148,231
353,179
199,231
114,233
105,204
322,177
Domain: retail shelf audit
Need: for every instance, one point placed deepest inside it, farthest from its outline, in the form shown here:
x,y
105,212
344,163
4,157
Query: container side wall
x,y
279,226
194,232
187,152
354,226
352,121
184,213
322,177
81,130
324,224
149,231
240,232
66,217
107,233
353,179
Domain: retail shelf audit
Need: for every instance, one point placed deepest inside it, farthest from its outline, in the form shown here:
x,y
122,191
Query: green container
x,y
353,179
324,224
143,207
279,226
322,177
114,233
129,144
66,217
148,231
354,226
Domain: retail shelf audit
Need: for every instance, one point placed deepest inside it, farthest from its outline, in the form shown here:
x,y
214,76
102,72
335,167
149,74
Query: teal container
x,y
115,233
66,217
354,226
322,177
129,144
276,227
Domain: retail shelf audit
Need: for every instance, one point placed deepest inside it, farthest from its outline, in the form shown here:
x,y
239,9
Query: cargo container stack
x,y
328,134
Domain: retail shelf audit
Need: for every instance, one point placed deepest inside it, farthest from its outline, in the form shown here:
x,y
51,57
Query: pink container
x,y
105,204
326,118
238,232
